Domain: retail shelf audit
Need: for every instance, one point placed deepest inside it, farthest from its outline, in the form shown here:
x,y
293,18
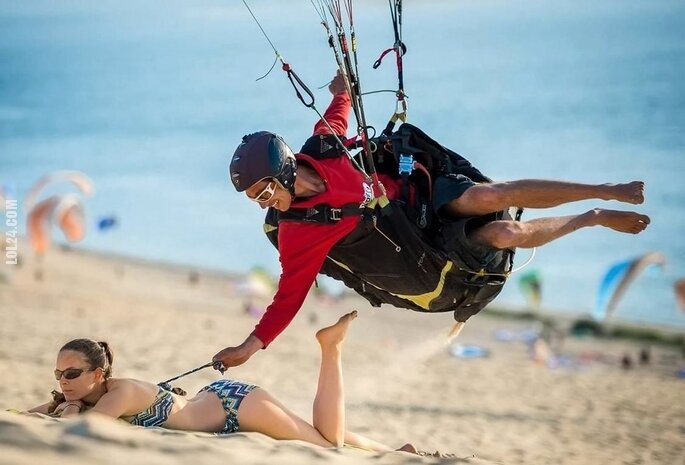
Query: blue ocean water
x,y
151,98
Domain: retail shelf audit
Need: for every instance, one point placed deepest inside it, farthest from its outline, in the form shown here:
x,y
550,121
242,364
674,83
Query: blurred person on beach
x,y
84,372
267,171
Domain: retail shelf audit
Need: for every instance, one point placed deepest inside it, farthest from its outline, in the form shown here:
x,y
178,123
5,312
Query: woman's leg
x,y
362,442
261,412
329,403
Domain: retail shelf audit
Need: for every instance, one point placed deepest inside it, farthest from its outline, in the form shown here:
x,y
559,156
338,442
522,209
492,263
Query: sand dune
x,y
402,383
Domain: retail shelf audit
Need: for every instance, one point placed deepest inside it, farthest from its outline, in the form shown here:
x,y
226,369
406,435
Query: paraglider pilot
x,y
322,224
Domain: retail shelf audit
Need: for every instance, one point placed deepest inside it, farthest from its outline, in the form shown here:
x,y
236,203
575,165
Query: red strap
x,y
377,63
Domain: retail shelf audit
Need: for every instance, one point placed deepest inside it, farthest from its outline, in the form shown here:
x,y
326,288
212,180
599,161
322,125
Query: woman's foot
x,y
335,334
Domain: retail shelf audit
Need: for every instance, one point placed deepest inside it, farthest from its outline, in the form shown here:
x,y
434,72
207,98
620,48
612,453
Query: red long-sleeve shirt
x,y
303,247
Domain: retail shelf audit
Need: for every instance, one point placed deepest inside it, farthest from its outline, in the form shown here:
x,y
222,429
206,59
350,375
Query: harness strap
x,y
400,50
321,213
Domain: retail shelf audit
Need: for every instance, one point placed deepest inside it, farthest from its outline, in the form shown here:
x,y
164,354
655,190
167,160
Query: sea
x,y
150,98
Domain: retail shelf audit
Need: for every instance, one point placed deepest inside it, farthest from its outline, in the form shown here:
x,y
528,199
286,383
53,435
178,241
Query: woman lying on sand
x,y
84,372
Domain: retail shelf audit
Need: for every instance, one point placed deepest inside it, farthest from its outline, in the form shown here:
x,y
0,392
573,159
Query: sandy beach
x,y
402,382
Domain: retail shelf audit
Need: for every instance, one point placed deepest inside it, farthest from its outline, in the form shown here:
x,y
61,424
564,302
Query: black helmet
x,y
262,155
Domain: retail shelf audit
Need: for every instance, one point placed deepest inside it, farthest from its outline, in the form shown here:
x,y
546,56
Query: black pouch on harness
x,y
322,146
437,159
410,155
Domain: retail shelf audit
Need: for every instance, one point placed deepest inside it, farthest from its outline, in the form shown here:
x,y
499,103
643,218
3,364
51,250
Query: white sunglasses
x,y
267,193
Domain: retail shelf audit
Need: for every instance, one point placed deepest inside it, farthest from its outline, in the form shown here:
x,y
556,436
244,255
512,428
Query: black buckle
x,y
317,214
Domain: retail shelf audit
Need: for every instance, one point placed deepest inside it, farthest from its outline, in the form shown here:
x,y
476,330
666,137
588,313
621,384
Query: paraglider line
x,y
261,28
270,69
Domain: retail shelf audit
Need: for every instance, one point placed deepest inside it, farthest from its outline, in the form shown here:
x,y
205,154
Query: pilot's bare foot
x,y
335,334
627,222
631,192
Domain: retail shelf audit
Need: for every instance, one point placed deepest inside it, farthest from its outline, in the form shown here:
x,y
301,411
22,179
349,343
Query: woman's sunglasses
x,y
69,373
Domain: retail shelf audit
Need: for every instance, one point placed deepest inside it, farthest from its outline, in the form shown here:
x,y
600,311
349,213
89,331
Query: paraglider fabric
x,y
618,278
76,178
63,210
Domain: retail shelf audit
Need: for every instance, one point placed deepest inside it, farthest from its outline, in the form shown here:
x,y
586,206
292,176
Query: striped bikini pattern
x,y
231,394
157,413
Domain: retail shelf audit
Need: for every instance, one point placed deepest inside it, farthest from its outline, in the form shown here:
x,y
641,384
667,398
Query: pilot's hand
x,y
337,85
234,356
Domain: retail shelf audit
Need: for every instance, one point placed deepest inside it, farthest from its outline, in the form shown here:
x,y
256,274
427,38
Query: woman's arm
x,y
118,401
43,408
69,408
63,409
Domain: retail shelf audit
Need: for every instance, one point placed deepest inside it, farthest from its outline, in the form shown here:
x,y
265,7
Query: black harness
x,y
406,256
